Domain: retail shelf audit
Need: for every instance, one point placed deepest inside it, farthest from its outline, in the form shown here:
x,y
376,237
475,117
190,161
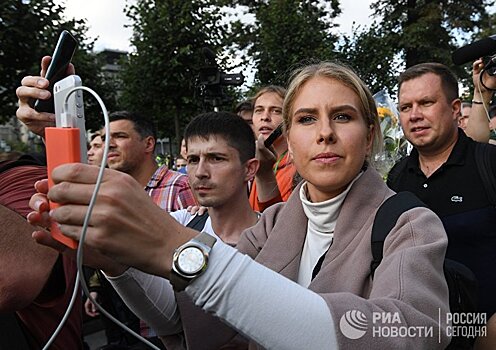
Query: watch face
x,y
191,260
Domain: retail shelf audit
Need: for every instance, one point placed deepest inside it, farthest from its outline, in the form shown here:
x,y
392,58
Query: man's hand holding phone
x,y
57,69
37,92
266,156
65,143
31,89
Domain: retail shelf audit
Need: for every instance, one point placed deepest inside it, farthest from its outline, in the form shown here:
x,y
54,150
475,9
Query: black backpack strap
x,y
385,219
394,174
12,336
483,161
198,222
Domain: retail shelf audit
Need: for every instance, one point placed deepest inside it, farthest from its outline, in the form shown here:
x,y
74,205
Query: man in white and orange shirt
x,y
274,179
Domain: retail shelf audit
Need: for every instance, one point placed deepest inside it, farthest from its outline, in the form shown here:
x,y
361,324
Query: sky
x,y
106,19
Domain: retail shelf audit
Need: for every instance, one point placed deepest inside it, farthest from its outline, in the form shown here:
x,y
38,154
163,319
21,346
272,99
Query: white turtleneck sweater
x,y
322,219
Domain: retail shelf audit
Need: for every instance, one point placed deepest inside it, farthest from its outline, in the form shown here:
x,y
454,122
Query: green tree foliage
x,y
426,30
488,27
408,32
159,78
28,31
286,33
20,49
368,52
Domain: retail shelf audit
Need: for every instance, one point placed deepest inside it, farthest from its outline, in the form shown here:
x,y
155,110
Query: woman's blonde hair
x,y
346,76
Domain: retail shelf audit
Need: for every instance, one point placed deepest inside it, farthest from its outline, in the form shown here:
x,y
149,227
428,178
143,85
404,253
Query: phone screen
x,y
62,56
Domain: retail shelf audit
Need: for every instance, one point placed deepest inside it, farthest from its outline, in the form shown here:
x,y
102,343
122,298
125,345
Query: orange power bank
x,y
62,146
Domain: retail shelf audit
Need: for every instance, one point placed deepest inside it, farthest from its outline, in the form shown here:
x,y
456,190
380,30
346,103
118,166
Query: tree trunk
x,y
176,127
411,54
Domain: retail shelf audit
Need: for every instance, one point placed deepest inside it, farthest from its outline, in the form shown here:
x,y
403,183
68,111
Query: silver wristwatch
x,y
190,260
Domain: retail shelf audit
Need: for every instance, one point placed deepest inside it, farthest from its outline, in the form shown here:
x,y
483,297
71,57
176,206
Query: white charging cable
x,y
79,257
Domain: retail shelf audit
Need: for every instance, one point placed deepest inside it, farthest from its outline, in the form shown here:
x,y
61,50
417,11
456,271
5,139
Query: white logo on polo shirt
x,y
458,199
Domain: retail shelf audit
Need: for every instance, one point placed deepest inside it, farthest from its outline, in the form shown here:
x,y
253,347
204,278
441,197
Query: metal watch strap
x,y
206,239
180,282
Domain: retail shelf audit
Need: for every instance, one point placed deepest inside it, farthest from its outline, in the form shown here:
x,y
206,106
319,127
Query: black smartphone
x,y
62,56
489,64
273,136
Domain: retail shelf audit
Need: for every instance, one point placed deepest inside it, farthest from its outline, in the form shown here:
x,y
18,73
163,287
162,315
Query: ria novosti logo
x,y
384,324
353,324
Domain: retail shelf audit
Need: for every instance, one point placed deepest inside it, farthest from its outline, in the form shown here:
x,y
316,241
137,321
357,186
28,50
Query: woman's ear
x,y
290,151
370,139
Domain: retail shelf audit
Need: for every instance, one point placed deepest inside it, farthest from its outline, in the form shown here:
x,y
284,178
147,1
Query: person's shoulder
x,y
272,213
171,176
208,228
423,226
491,147
31,161
274,209
485,158
398,168
182,216
178,177
482,149
400,164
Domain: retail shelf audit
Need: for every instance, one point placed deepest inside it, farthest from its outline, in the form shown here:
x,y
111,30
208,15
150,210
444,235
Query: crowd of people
x,y
276,251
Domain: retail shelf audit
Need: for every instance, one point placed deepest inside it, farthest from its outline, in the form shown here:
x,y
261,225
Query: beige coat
x,y
408,286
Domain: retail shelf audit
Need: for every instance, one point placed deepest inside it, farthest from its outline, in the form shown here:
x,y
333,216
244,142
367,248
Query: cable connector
x,y
66,120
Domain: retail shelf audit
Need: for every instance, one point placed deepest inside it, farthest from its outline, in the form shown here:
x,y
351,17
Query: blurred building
x,y
112,66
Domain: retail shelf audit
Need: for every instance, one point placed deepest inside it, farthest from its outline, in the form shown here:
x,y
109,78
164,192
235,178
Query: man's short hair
x,y
143,126
449,81
246,105
279,90
95,135
237,133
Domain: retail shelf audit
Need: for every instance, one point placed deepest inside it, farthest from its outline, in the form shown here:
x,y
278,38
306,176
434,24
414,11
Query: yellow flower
x,y
386,112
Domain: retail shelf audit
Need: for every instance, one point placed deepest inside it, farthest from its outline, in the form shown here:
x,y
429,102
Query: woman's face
x,y
328,137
